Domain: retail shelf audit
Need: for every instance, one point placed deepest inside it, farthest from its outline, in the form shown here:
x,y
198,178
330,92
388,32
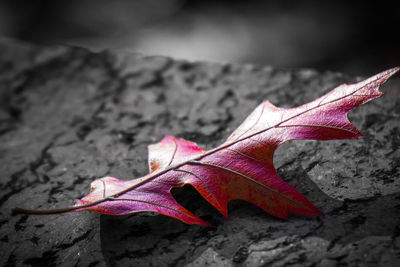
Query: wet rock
x,y
69,116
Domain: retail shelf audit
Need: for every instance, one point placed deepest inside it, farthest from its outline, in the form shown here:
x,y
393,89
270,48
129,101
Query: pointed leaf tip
x,y
380,78
393,70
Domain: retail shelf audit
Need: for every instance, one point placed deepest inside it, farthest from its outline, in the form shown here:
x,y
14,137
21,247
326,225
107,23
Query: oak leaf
x,y
240,168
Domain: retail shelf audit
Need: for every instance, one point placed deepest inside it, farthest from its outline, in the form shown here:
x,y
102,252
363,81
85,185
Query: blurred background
x,y
356,37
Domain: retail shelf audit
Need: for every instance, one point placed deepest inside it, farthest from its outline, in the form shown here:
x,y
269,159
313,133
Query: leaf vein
x,y
250,179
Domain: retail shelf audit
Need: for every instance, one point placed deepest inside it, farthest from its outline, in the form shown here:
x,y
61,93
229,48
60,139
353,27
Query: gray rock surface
x,y
69,116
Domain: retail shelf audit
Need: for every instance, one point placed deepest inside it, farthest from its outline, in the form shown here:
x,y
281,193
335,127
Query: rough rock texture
x,y
69,116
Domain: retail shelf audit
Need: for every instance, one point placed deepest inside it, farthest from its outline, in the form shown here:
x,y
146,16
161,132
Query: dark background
x,y
355,37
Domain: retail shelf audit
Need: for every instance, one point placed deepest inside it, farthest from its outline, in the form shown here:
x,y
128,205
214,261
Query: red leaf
x,y
240,168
